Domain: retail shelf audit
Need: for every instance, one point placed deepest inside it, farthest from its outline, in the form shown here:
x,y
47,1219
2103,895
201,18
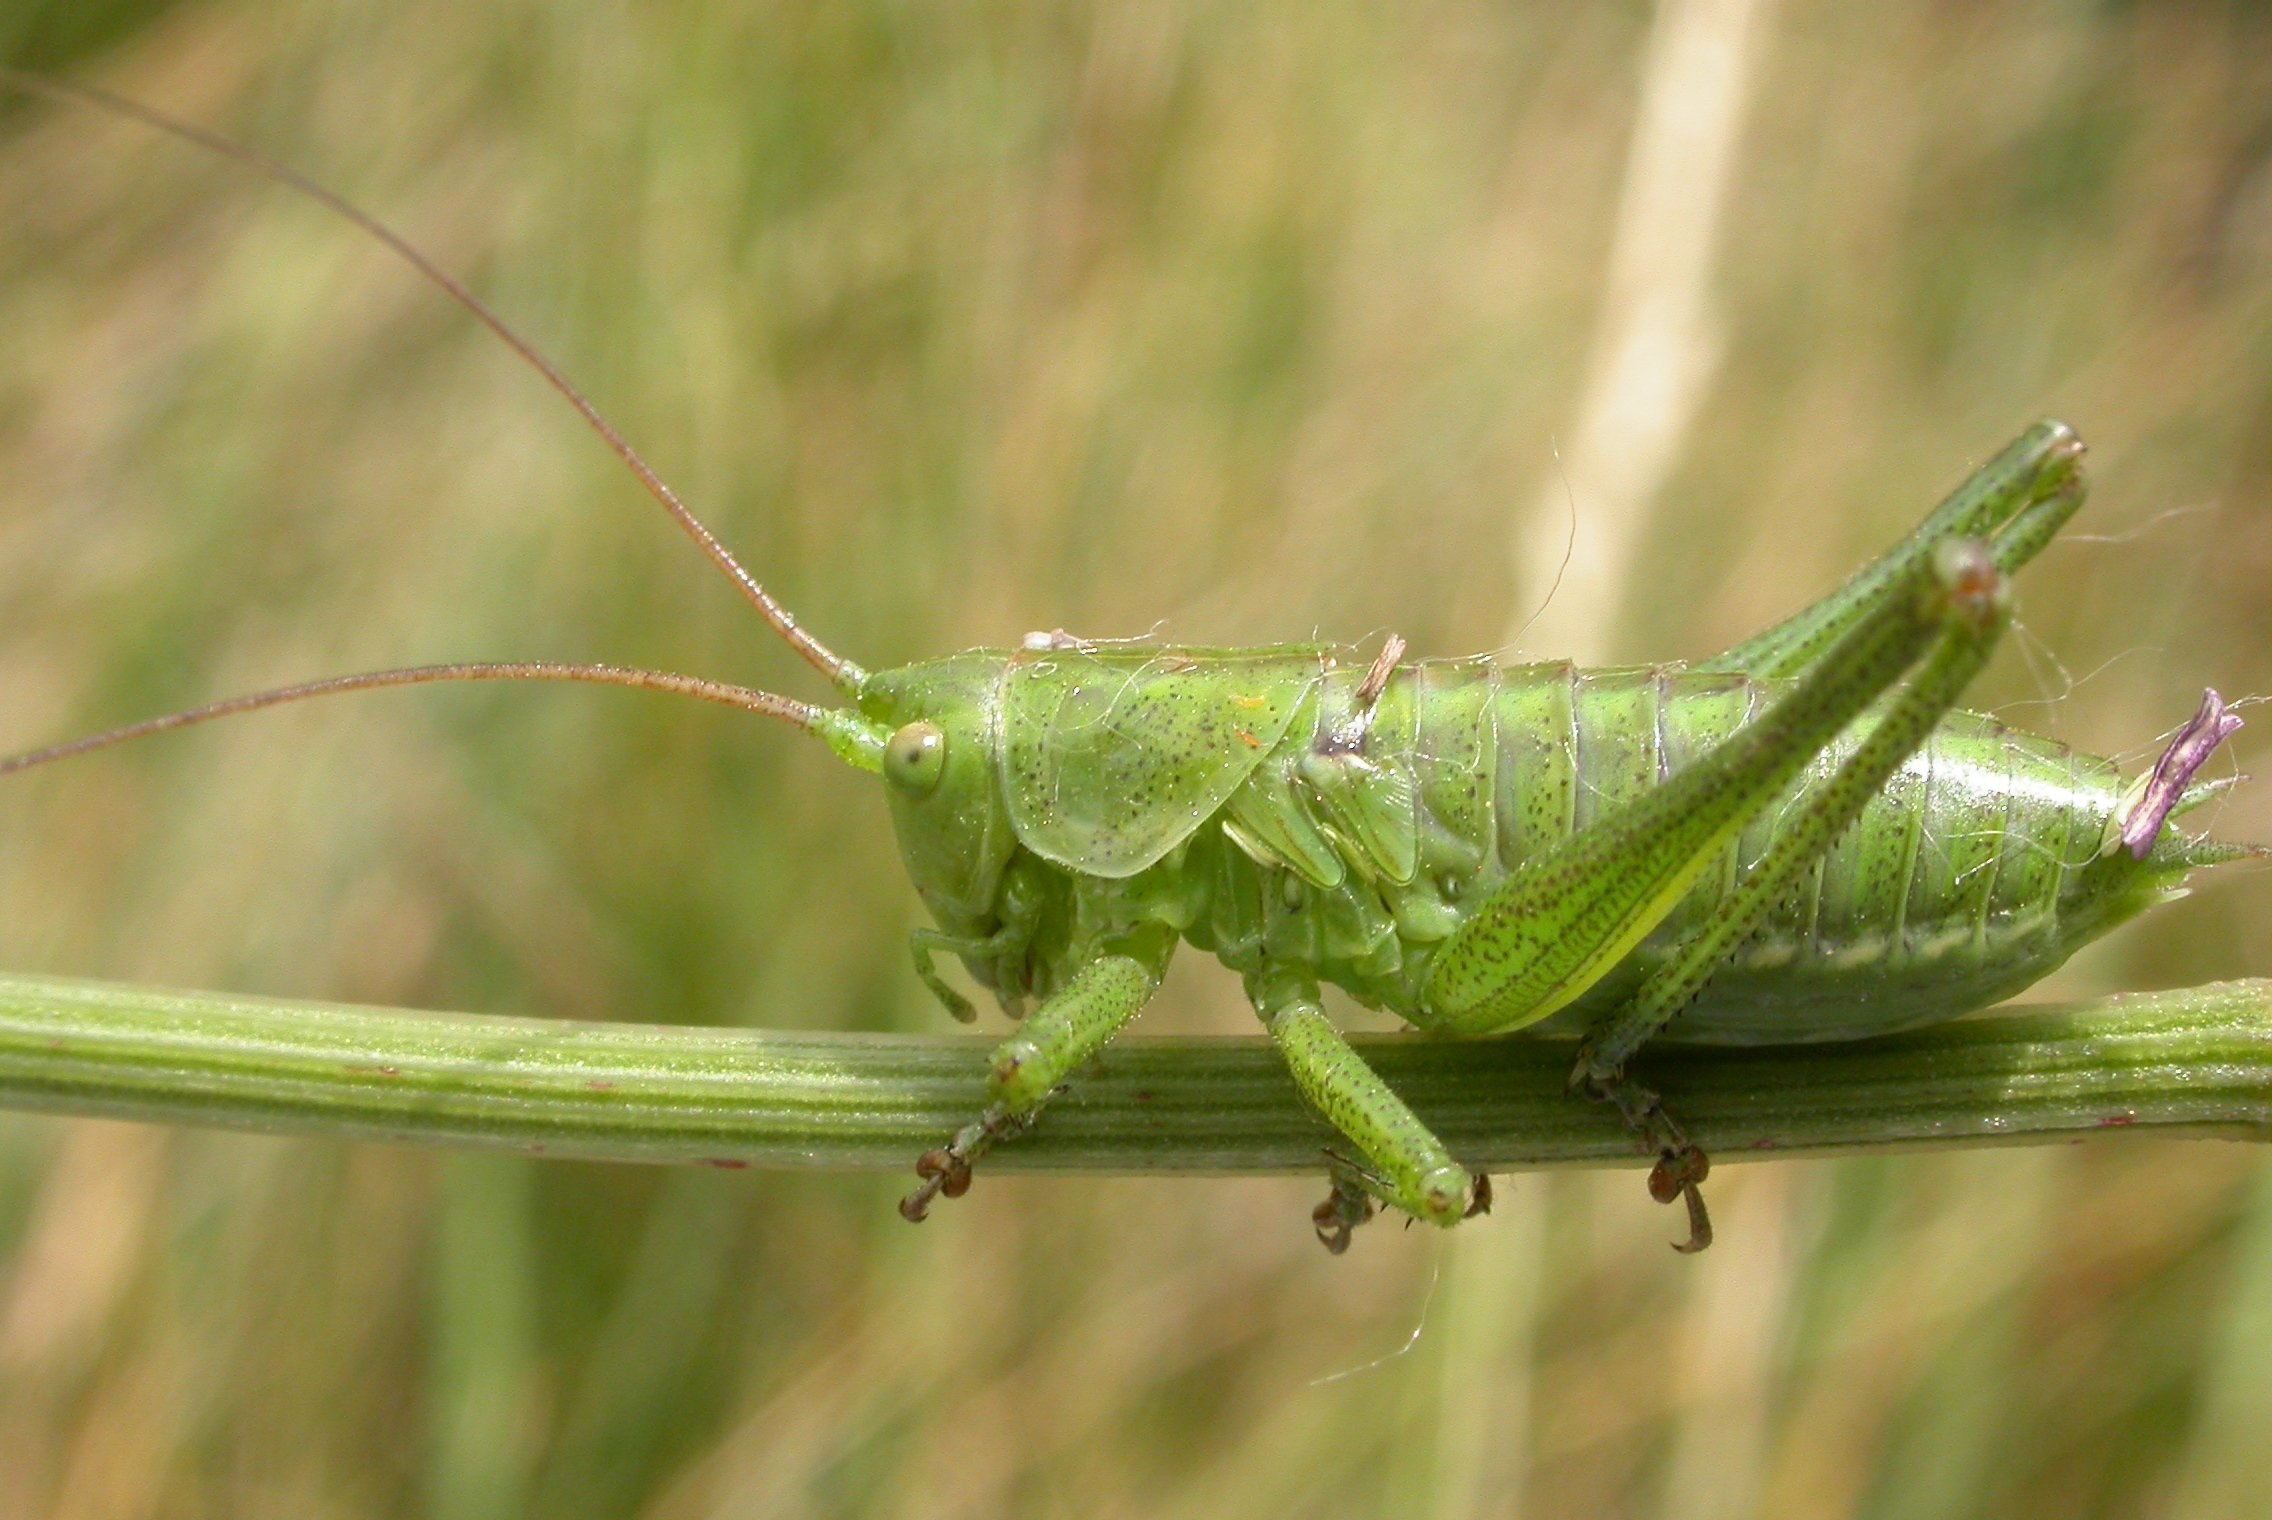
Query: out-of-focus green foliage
x,y
957,321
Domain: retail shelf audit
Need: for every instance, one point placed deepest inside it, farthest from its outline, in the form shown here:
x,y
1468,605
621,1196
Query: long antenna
x,y
746,698
842,673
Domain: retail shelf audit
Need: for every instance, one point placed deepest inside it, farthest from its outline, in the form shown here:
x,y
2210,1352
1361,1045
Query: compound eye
x,y
916,759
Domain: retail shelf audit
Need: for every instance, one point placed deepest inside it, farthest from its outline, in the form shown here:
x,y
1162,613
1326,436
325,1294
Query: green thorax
x,y
1100,761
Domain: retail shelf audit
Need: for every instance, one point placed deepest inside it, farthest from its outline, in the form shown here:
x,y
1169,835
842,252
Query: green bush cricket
x,y
1801,839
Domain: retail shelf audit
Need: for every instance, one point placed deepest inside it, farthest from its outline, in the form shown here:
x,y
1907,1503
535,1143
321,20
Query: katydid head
x,y
932,728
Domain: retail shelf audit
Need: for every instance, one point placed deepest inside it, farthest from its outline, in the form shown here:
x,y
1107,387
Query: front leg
x,y
1003,950
1076,1022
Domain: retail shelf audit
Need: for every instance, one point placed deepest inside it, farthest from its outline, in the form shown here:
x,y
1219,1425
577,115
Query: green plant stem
x,y
2194,1062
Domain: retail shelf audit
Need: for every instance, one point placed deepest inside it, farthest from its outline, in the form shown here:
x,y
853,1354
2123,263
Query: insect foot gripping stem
x,y
945,1169
1348,1204
1354,1198
1681,1165
1404,1164
1031,1066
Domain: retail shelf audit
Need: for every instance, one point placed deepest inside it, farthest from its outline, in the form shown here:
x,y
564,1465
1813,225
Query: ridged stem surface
x,y
2193,1062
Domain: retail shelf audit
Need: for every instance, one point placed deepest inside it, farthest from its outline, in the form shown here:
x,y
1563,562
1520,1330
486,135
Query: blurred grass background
x,y
1245,320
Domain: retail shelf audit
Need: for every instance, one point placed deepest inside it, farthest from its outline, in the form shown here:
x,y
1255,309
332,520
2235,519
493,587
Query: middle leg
x,y
1403,1162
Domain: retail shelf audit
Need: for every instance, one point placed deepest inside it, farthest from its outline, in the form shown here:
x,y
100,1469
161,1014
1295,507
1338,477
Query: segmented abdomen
x,y
1360,843
1962,881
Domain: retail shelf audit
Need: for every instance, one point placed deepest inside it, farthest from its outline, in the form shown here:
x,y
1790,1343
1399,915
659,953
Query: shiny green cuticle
x,y
1801,841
